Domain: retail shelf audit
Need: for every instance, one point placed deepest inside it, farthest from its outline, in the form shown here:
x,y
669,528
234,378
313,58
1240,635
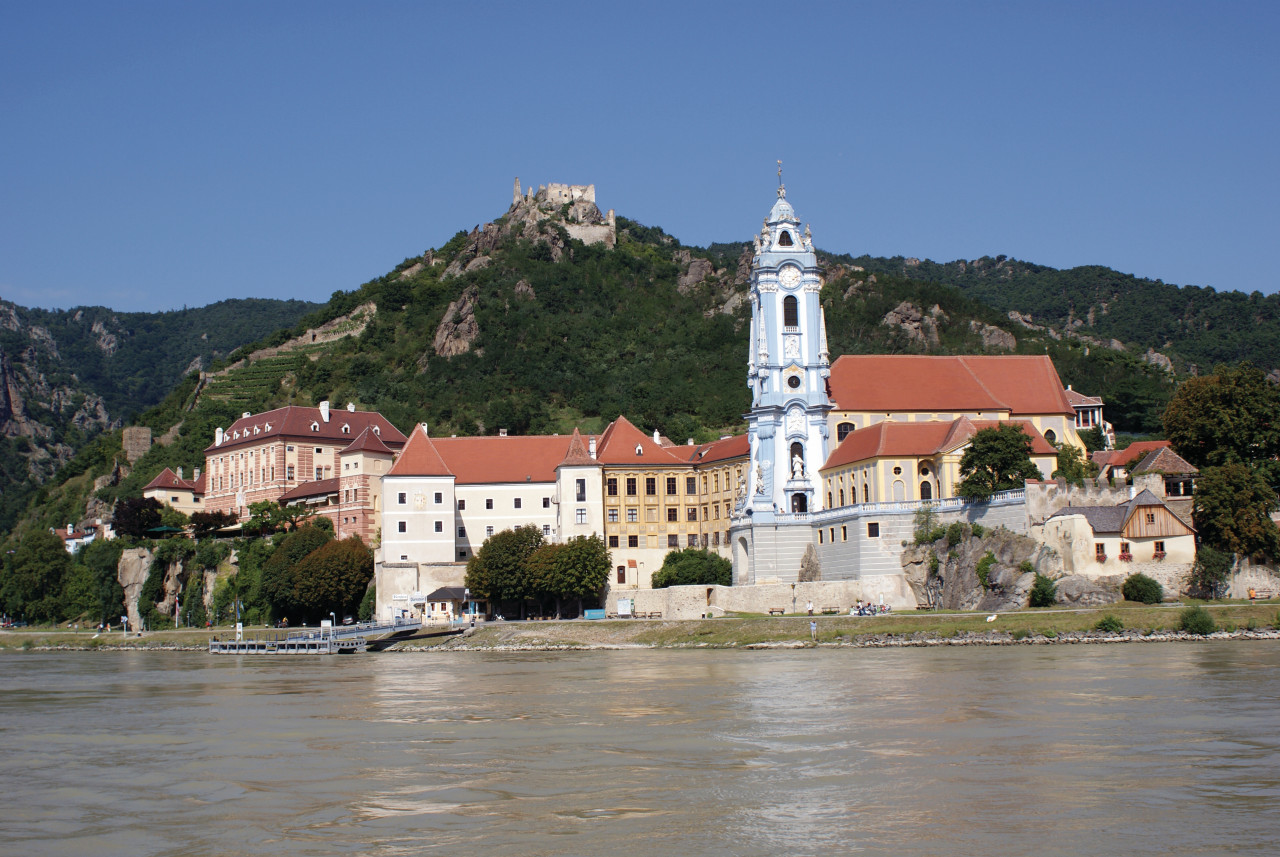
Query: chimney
x,y
179,472
657,438
424,429
218,437
324,411
245,415
351,406
591,447
195,475
688,442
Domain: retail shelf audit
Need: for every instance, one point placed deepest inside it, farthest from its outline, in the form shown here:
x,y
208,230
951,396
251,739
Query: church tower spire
x,y
787,370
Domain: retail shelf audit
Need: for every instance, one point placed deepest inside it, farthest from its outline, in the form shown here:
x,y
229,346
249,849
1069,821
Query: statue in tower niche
x,y
797,467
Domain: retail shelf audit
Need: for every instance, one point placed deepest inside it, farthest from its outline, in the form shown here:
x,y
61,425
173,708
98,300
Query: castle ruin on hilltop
x,y
582,219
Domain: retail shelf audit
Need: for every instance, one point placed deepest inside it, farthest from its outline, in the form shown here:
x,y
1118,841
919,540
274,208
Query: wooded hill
x,y
518,327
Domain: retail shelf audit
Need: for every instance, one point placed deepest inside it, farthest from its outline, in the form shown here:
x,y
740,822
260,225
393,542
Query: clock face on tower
x,y
789,276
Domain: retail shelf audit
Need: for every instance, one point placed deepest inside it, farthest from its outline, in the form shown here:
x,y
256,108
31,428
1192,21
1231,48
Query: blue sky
x,y
155,155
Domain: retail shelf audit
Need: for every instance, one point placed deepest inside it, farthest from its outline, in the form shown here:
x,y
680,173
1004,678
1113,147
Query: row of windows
x,y
709,513
673,541
438,526
1126,549
632,485
402,498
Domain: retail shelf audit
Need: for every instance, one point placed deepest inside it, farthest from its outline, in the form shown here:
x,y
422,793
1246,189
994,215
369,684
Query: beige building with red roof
x,y
871,388
330,460
896,461
170,489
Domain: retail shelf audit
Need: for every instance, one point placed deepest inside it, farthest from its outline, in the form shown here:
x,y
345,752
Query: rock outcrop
x,y
993,338
132,571
458,329
915,323
955,582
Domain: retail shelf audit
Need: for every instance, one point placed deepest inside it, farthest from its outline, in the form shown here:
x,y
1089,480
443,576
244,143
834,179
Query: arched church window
x,y
1050,436
784,240
866,493
842,430
790,311
926,490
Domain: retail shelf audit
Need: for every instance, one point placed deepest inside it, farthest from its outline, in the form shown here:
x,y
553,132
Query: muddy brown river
x,y
1066,750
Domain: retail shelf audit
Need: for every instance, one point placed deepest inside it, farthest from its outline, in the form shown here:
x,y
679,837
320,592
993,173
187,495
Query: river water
x,y
1127,749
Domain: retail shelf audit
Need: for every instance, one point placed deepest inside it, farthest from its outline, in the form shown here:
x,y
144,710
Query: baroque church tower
x,y
787,371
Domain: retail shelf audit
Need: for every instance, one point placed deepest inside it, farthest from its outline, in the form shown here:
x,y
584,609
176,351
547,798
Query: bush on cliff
x,y
1143,589
1044,592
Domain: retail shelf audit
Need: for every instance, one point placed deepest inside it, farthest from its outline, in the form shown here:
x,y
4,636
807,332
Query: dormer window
x,y
377,430
315,426
784,240
346,429
639,449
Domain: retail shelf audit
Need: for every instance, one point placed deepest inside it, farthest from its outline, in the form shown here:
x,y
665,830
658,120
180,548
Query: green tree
x,y
1073,466
1210,571
498,571
998,459
34,580
279,573
1230,416
102,559
1044,592
1232,508
333,578
135,517
693,566
1093,439
581,568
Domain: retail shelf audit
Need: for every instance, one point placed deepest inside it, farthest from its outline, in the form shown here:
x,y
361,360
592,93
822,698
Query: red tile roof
x,y
1135,452
910,383
724,449
891,439
619,441
419,457
294,421
311,489
166,479
1080,399
368,442
577,455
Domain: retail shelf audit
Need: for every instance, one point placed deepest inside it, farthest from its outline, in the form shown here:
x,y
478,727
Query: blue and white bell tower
x,y
787,371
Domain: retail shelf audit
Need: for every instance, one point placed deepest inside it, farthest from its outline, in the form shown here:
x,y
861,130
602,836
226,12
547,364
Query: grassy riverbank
x,y
910,628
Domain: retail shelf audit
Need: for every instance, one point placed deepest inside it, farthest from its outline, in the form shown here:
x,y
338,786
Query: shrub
x,y
984,568
1196,620
1021,634
934,563
955,534
1026,567
1143,589
1043,592
978,531
1251,625
1110,624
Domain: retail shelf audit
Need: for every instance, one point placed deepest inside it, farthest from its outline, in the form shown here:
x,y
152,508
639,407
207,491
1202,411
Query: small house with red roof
x,y
170,489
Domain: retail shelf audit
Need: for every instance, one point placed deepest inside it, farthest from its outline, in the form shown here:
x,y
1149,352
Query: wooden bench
x,y
927,605
777,611
652,614
830,611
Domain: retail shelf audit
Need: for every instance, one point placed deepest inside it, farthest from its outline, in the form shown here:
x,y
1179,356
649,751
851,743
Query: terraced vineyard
x,y
249,388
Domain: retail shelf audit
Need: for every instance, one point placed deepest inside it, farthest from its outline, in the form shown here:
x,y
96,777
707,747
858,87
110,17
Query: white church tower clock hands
x,y
787,371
